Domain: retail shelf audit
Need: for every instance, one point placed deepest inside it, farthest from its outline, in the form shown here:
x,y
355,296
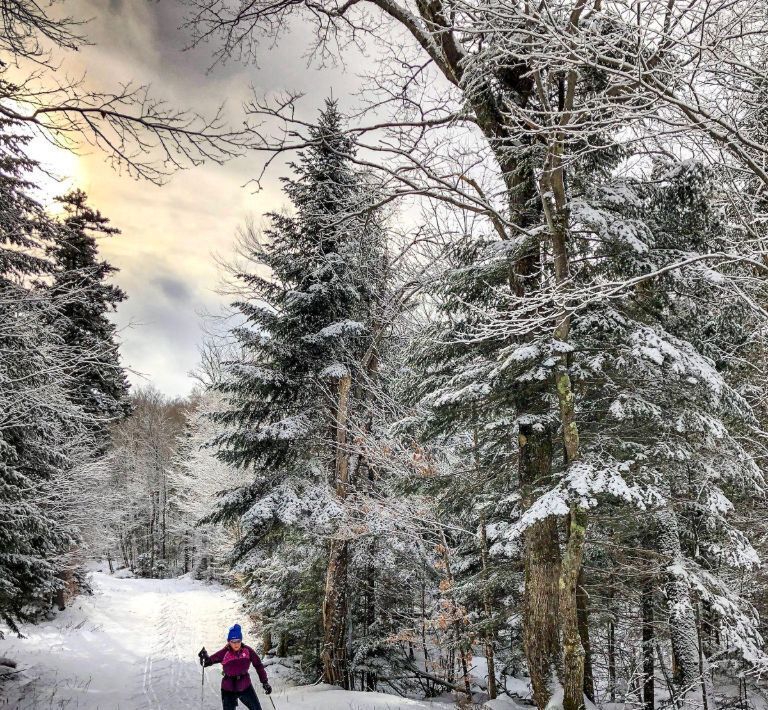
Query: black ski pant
x,y
247,698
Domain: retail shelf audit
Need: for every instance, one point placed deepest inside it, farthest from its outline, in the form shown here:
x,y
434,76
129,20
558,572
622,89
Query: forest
x,y
487,414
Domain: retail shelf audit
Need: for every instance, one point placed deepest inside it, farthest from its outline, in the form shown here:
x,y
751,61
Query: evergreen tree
x,y
100,387
665,428
23,223
664,421
60,383
297,394
34,410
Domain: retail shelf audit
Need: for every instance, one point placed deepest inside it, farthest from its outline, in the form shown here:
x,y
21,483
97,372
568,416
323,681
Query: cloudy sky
x,y
171,235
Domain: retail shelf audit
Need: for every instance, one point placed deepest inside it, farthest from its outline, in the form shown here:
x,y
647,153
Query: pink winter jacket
x,y
235,667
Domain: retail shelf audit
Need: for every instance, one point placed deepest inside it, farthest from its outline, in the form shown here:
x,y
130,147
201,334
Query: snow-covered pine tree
x,y
676,422
100,387
38,423
665,431
96,382
751,359
296,397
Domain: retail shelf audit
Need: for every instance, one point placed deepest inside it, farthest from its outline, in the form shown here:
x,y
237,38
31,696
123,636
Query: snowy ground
x,y
133,646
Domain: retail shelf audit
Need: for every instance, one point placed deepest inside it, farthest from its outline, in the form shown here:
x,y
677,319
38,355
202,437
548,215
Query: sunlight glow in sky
x,y
60,171
173,236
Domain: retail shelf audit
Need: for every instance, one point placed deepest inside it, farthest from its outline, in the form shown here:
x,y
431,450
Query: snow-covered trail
x,y
133,646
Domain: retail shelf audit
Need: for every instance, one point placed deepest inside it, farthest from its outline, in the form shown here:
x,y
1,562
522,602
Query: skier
x,y
235,659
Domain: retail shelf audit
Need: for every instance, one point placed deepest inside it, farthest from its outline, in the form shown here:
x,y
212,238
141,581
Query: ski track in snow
x,y
133,646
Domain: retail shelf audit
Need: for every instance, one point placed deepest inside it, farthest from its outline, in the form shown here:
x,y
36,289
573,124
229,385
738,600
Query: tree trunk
x,y
187,560
573,651
707,689
124,550
335,600
163,520
335,615
151,537
542,569
611,659
667,679
266,643
649,643
487,608
370,681
682,619
582,601
557,213
60,598
541,639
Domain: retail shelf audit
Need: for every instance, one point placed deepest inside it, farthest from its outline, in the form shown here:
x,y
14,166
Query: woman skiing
x,y
235,659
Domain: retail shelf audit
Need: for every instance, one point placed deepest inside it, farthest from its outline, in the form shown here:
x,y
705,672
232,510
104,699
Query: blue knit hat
x,y
235,633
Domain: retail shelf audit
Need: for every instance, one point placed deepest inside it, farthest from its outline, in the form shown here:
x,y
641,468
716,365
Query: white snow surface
x,y
133,646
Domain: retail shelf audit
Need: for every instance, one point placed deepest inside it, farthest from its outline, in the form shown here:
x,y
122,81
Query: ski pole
x,y
272,701
202,656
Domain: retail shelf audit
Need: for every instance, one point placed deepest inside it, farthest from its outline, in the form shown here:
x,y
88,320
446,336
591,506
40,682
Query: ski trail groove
x,y
131,646
147,681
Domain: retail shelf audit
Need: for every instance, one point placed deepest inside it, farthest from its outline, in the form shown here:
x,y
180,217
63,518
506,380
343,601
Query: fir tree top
x,y
24,225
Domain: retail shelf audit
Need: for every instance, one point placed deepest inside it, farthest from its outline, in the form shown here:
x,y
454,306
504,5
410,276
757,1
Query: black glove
x,y
267,688
203,656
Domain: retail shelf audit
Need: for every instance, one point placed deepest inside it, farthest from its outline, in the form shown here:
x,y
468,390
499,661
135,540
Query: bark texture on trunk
x,y
541,541
555,205
488,609
649,643
611,661
582,601
542,570
335,615
683,631
573,651
334,654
